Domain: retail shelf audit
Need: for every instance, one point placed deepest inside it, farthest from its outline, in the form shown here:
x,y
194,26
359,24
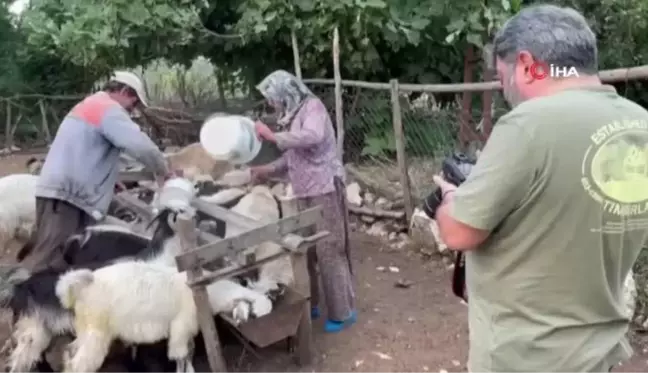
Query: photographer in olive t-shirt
x,y
555,212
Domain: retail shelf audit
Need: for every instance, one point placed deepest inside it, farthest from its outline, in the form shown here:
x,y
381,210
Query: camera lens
x,y
431,203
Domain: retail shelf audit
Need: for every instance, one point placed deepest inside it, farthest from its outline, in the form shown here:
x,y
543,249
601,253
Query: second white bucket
x,y
230,138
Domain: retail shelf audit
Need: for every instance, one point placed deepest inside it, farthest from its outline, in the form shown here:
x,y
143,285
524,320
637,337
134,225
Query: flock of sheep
x,y
122,283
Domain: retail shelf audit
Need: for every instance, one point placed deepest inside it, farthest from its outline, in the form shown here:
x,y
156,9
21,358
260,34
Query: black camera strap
x,y
459,277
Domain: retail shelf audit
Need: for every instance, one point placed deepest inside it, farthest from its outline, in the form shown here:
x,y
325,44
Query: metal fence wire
x,y
430,127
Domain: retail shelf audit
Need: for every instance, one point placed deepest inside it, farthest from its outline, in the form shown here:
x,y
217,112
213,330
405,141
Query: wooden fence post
x,y
8,132
189,241
44,124
339,115
295,48
400,149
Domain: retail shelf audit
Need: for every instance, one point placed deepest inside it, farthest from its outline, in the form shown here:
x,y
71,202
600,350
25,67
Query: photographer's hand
x,y
445,186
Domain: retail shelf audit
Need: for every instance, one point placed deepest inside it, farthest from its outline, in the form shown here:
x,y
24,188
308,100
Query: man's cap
x,y
133,81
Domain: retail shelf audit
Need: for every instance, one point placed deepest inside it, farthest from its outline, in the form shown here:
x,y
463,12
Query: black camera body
x,y
455,169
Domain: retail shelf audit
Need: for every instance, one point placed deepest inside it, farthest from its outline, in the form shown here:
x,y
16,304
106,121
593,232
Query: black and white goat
x,y
153,305
38,313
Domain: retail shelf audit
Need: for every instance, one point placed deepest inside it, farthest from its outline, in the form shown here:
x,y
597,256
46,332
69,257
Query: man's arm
x,y
124,134
496,185
312,130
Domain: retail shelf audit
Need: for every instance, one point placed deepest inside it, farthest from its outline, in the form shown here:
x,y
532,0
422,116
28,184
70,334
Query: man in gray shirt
x,y
77,181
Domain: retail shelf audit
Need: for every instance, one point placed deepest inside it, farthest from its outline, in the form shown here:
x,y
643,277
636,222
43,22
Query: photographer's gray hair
x,y
552,34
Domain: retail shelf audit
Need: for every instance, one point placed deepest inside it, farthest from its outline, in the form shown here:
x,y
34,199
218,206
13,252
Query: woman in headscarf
x,y
316,173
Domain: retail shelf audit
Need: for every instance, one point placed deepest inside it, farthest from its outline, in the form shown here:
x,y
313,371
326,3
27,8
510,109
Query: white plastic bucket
x,y
230,138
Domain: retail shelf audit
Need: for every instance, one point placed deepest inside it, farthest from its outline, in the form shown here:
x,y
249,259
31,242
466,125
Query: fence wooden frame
x,y
607,76
194,258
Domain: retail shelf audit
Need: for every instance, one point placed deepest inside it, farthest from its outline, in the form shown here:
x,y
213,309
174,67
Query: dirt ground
x,y
420,328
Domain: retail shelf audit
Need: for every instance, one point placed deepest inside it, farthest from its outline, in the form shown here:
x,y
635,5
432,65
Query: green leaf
x,y
413,37
306,5
475,39
506,5
420,24
374,145
260,28
380,4
451,37
456,25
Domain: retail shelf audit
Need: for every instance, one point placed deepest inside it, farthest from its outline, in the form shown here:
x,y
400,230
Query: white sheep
x,y
18,208
134,301
260,204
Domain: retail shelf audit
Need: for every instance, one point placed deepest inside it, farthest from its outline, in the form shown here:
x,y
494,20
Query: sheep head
x,y
10,276
34,165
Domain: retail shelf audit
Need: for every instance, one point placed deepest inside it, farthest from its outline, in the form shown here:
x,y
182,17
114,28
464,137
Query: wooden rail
x,y
607,76
194,257
270,232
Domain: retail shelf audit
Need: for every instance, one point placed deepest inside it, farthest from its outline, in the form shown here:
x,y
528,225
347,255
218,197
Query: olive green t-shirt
x,y
562,184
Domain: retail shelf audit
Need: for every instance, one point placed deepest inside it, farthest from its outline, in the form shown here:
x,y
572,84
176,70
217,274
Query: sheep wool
x,y
18,212
134,301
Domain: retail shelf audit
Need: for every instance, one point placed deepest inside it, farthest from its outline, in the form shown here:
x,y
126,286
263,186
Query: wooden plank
x,y
270,232
115,221
225,273
132,202
242,221
221,213
208,278
145,211
401,156
131,176
607,76
295,49
188,238
304,337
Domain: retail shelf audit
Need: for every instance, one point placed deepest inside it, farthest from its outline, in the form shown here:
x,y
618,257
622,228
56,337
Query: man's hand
x,y
445,186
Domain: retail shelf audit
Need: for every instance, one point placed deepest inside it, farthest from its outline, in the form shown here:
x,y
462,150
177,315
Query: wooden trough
x,y
290,318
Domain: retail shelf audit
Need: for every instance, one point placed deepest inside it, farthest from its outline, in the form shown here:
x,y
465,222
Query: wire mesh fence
x,y
369,143
430,128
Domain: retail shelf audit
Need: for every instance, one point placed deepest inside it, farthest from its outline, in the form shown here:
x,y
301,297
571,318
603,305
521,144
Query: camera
x,y
455,168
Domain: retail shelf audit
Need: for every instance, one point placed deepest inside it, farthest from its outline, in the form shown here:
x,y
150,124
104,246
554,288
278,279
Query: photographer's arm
x,y
496,185
457,235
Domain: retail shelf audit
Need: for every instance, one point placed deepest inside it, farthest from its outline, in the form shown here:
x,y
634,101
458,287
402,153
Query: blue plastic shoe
x,y
333,326
315,313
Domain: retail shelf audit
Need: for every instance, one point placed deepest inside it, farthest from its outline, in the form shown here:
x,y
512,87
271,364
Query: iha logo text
x,y
541,70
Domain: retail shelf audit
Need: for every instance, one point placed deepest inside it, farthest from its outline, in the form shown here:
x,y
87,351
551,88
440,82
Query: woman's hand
x,y
263,131
260,173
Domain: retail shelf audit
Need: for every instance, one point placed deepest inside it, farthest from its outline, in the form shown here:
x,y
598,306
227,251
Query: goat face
x,y
166,224
207,188
34,165
10,276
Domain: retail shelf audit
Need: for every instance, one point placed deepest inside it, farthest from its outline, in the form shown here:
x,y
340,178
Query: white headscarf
x,y
284,88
